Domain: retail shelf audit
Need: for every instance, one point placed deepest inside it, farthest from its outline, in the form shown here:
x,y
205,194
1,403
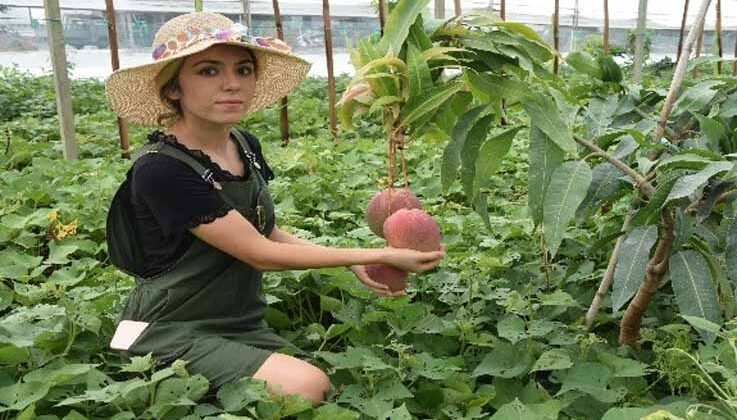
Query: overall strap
x,y
250,155
205,173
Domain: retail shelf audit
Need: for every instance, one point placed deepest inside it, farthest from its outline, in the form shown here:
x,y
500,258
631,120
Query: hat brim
x,y
133,93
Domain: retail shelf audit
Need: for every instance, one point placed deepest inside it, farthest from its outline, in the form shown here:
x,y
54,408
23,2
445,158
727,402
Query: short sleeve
x,y
174,194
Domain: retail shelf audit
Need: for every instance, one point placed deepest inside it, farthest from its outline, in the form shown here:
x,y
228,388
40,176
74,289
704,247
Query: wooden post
x,y
606,27
503,9
439,9
197,5
734,63
382,15
457,4
556,36
112,36
683,29
719,36
331,76
640,42
61,79
284,118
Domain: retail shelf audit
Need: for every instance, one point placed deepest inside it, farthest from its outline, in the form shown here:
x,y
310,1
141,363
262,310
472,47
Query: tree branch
x,y
639,180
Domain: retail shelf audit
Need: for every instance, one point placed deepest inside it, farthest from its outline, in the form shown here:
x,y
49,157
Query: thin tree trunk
x,y
734,63
629,327
719,36
503,9
61,79
640,42
680,71
382,15
457,4
683,29
606,27
556,36
112,36
331,76
284,116
439,9
246,5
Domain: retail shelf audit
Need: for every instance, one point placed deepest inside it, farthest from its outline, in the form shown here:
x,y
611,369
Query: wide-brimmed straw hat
x,y
133,93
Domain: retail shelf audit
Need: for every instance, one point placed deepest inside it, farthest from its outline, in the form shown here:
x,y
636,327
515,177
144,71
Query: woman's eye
x,y
246,70
208,71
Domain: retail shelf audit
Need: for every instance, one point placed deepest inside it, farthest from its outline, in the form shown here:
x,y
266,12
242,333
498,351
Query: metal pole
x,y
61,79
284,118
331,76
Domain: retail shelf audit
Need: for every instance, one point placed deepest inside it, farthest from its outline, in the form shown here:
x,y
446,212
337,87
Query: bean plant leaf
x,y
568,187
470,153
452,154
631,264
690,183
505,361
555,359
544,115
397,26
490,156
545,158
694,289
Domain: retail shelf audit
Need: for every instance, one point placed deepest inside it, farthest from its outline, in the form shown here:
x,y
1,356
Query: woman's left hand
x,y
380,289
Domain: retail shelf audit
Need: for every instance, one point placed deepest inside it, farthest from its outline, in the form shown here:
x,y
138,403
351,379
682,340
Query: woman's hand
x,y
411,260
380,289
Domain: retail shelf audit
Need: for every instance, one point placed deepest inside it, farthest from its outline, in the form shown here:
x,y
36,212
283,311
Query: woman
x,y
194,221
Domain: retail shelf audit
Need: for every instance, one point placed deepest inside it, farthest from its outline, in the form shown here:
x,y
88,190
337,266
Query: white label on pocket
x,y
126,334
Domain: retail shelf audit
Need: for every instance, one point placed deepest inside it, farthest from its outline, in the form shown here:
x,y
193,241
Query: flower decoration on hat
x,y
236,33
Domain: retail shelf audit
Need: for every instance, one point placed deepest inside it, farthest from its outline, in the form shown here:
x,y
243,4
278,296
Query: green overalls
x,y
208,307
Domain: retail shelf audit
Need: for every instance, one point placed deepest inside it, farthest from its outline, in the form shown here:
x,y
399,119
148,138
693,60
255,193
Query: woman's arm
x,y
236,236
284,237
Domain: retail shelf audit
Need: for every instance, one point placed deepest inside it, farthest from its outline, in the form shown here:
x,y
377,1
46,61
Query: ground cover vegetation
x,y
530,214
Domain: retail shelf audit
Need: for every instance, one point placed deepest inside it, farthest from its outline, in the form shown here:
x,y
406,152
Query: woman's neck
x,y
202,135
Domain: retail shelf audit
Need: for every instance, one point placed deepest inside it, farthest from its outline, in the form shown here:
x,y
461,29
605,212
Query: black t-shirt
x,y
168,198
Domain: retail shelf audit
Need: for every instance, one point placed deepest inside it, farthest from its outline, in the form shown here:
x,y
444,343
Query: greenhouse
x,y
368,209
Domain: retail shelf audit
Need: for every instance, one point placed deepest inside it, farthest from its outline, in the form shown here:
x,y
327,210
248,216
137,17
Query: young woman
x,y
194,221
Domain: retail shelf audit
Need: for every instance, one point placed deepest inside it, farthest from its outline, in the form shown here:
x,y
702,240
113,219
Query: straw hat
x,y
133,93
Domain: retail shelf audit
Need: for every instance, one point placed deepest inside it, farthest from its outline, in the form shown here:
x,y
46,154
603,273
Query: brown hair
x,y
172,85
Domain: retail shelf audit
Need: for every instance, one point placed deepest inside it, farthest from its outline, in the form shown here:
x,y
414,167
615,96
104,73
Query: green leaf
x,y
452,154
505,361
544,115
521,29
139,364
568,187
20,395
420,79
490,156
605,183
730,253
234,396
516,410
555,359
397,26
334,412
694,289
429,101
702,324
695,98
545,158
470,153
580,378
690,183
380,103
512,328
622,367
584,63
712,130
631,264
417,35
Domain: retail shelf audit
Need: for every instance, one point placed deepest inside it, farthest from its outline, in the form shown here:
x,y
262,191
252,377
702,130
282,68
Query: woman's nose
x,y
232,80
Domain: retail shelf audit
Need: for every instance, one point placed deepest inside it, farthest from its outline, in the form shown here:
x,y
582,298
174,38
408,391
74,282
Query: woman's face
x,y
216,85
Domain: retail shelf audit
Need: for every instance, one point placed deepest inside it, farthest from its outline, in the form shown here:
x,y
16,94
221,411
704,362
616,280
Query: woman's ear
x,y
174,94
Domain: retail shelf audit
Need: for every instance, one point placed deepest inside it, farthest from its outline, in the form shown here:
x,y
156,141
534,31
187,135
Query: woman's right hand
x,y
411,260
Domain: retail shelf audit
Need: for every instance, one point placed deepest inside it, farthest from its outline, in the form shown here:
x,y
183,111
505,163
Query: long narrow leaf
x,y
694,289
567,190
544,114
452,154
631,264
690,183
545,158
397,26
428,102
490,156
470,153
420,79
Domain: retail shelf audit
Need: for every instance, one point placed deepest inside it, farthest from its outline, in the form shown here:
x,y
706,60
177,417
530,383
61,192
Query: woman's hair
x,y
170,73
